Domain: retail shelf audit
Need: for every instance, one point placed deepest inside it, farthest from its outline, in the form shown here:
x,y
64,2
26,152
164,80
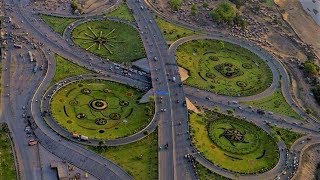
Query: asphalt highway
x,y
171,116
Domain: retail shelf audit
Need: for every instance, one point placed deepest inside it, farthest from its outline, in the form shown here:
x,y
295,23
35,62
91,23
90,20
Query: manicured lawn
x,y
288,137
112,40
139,159
206,174
7,166
58,24
171,31
65,68
223,68
260,155
122,12
275,103
100,109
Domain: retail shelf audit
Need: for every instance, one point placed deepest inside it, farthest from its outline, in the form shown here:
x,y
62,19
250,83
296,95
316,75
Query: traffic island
x,y
233,144
113,40
100,109
223,68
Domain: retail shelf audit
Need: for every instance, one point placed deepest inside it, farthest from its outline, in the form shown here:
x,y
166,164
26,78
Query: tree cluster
x,y
310,68
226,13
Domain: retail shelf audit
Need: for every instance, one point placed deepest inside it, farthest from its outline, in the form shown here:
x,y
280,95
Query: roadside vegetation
x,y
116,41
172,32
233,144
100,109
275,103
206,174
223,68
175,4
65,69
122,12
7,165
139,159
225,12
58,24
288,137
316,92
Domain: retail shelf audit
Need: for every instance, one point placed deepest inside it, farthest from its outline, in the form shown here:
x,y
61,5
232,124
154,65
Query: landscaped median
x,y
65,68
7,165
223,68
58,24
100,109
172,32
275,103
233,144
139,159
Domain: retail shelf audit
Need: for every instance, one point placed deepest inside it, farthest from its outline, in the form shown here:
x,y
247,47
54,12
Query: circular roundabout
x,y
93,111
108,39
223,68
233,144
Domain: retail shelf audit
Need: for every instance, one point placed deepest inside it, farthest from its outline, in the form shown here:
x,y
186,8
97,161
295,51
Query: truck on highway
x,y
30,56
84,138
35,68
75,135
17,46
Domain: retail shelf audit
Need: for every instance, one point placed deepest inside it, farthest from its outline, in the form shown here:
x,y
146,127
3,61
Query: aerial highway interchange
x,y
29,65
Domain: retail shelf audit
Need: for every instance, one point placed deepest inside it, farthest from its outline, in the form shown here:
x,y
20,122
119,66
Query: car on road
x,y
32,142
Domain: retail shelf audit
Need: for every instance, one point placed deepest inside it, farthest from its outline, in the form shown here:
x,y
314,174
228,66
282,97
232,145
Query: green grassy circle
x,y
217,66
120,116
259,155
249,133
118,41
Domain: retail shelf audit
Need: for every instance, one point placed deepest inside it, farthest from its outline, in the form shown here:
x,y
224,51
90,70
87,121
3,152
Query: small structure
x,y
62,169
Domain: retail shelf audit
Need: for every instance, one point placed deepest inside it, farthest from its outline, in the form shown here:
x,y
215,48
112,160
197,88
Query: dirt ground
x,y
192,107
64,7
308,164
305,27
261,27
183,73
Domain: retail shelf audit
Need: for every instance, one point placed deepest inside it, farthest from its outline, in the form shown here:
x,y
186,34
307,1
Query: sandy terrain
x,y
183,73
303,24
192,107
91,6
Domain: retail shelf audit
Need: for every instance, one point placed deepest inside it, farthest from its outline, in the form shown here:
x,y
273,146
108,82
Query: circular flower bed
x,y
234,137
80,115
247,66
241,84
98,104
123,103
86,91
100,121
115,116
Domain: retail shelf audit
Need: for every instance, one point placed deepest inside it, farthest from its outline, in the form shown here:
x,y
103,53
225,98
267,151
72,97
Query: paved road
x,y
80,157
172,164
169,98
12,76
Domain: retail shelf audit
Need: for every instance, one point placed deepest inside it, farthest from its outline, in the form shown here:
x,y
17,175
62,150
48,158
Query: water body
x,y
312,7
